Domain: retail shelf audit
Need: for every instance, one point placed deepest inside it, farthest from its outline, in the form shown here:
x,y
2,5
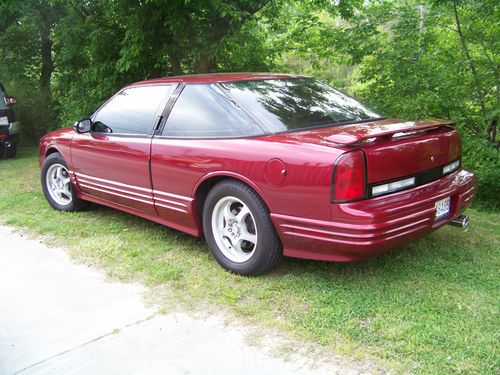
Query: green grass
x,y
431,307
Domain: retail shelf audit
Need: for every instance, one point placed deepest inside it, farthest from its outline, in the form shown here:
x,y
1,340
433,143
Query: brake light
x,y
349,177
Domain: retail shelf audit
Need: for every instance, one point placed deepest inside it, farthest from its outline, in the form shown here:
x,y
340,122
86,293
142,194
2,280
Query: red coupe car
x,y
262,165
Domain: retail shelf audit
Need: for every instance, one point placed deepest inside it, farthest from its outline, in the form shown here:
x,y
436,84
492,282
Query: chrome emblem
x,y
433,158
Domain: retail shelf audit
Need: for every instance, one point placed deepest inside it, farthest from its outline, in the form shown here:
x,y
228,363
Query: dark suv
x,y
9,128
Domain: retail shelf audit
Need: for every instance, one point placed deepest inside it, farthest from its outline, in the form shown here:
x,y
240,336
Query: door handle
x,y
100,137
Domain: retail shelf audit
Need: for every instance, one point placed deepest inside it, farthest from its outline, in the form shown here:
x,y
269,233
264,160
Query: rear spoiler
x,y
351,135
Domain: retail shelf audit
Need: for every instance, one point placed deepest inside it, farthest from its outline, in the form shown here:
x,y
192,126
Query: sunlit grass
x,y
430,307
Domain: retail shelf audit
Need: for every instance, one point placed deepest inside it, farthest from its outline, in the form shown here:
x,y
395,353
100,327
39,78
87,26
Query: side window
x,y
133,110
203,111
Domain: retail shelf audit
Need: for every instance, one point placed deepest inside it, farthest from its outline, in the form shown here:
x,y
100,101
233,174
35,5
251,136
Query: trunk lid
x,y
396,149
393,148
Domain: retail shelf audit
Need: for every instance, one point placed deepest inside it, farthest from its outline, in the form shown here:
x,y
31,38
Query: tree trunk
x,y
46,54
472,67
204,64
492,129
175,63
46,69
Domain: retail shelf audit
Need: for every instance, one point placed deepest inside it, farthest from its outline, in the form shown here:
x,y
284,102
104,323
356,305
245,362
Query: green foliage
x,y
407,60
97,47
484,159
23,27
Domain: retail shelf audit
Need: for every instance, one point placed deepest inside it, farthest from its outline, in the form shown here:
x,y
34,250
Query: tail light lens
x,y
349,177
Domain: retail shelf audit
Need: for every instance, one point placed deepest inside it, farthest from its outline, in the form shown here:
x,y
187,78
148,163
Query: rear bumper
x,y
366,228
8,140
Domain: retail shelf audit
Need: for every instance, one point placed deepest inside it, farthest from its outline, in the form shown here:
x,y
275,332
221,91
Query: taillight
x,y
349,177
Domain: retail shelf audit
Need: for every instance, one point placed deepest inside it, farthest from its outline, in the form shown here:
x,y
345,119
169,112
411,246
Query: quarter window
x,y
133,110
204,111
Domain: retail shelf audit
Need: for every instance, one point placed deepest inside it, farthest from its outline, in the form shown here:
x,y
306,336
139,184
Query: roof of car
x,y
215,78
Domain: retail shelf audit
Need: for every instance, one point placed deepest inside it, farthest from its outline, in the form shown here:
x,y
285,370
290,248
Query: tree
x,y
84,51
26,53
412,60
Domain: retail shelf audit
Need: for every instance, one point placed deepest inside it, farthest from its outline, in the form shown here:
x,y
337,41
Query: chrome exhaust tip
x,y
8,144
461,221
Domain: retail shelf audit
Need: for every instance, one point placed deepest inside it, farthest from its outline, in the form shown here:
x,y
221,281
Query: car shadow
x,y
398,264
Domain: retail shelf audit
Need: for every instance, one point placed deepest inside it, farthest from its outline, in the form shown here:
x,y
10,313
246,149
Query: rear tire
x,y
57,186
239,230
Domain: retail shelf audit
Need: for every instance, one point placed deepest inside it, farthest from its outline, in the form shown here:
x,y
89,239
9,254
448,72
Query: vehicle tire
x,y
239,230
57,186
11,152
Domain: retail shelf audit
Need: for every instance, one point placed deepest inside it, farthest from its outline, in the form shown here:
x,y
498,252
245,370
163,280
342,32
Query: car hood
x,y
58,133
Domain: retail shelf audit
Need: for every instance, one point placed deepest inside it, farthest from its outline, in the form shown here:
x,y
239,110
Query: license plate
x,y
4,121
442,208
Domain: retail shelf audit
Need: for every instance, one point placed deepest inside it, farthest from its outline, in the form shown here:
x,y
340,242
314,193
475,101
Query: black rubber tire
x,y
268,252
76,204
11,152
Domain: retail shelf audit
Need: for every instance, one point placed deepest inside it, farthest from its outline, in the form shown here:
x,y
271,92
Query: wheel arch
x,y
52,150
47,150
207,182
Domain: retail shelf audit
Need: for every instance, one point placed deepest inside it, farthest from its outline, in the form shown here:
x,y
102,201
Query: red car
x,y
262,165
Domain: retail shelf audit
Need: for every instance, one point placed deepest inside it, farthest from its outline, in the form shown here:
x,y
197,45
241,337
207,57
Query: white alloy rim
x,y
59,184
234,229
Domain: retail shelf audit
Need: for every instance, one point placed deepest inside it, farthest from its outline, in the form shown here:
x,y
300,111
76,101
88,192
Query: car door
x,y
182,152
111,162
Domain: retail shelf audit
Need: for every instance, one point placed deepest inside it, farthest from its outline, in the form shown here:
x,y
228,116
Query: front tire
x,y
57,186
239,230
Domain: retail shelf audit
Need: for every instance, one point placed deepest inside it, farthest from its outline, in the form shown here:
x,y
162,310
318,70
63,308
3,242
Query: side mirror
x,y
83,126
10,100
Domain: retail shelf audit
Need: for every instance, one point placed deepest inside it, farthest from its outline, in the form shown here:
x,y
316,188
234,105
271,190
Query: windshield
x,y
296,103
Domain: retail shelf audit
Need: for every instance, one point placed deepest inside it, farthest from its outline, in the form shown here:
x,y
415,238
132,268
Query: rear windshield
x,y
296,103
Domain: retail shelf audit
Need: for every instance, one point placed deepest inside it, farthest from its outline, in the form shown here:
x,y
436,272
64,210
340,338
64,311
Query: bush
x,y
483,159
